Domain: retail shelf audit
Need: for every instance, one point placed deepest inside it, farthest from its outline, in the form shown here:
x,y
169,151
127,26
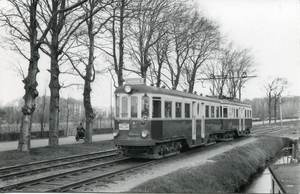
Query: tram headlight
x,y
144,133
116,133
127,89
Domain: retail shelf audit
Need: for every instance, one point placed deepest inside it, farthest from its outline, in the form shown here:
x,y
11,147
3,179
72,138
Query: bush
x,y
227,173
13,136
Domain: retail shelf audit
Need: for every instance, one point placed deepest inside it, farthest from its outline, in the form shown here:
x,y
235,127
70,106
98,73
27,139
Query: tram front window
x,y
145,106
134,106
124,108
117,106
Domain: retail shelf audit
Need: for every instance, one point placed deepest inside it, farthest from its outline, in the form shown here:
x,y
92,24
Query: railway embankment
x,y
226,172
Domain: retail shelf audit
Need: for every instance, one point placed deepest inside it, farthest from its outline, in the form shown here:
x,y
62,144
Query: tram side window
x,y
168,109
237,113
212,111
187,110
221,112
117,106
178,110
156,113
207,111
217,111
134,106
145,106
245,113
225,112
124,108
250,114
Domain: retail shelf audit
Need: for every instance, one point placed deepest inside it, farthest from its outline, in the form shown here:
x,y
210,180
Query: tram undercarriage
x,y
158,151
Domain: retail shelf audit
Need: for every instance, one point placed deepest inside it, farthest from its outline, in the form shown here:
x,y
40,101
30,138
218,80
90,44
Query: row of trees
x,y
274,89
290,108
167,42
71,111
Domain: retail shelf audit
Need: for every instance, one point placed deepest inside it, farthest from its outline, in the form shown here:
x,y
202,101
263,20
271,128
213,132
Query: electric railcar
x,y
152,122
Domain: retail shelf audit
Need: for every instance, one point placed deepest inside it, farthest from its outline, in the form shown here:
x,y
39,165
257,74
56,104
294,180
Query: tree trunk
x,y
89,114
121,44
269,107
30,84
54,100
275,108
30,95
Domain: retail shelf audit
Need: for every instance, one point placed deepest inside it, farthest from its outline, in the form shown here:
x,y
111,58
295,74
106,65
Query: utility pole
x,y
280,110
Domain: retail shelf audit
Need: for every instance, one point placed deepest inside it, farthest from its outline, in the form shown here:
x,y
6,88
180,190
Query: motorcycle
x,y
79,135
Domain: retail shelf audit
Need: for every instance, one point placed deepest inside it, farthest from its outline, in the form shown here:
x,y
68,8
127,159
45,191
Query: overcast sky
x,y
270,28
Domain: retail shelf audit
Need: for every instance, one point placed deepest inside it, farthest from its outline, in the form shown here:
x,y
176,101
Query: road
x,y
272,121
13,145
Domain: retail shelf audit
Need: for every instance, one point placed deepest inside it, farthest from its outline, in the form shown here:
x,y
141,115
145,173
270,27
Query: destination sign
x,y
134,81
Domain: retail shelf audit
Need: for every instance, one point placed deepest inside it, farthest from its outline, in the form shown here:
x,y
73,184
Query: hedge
x,y
13,136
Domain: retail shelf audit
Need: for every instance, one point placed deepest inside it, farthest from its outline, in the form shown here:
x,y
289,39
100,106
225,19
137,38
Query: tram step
x,y
211,143
224,139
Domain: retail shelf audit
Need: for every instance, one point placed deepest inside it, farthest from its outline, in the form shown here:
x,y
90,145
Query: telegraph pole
x,y
280,110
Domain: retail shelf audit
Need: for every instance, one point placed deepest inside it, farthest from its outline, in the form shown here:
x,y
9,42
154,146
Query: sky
x,y
270,28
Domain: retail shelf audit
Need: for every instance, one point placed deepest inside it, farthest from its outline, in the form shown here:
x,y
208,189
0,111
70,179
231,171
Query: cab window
x,y
124,108
134,106
145,106
117,106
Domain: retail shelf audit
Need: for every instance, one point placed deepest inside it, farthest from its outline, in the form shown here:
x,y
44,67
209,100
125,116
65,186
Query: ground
x,y
126,182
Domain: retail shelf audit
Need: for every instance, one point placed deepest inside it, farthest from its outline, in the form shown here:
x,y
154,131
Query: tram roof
x,y
156,90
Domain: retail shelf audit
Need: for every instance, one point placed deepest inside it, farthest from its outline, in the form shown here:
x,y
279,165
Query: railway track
x,y
261,130
48,165
74,178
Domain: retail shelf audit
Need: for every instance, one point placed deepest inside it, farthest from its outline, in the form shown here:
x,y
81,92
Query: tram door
x,y
240,119
194,114
243,120
202,120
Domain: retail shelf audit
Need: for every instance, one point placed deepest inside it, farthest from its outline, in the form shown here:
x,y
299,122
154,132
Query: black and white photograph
x,y
150,96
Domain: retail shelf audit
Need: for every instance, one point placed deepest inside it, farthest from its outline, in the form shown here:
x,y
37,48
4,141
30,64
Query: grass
x,y
9,158
227,173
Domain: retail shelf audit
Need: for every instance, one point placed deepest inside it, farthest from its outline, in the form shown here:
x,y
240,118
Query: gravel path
x,y
133,179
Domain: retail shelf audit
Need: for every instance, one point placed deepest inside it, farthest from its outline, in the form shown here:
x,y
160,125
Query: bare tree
x,y
206,40
64,24
280,85
269,89
217,71
22,24
181,37
151,15
114,48
239,69
94,24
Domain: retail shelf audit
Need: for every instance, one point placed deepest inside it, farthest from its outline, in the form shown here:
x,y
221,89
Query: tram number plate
x,y
123,126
